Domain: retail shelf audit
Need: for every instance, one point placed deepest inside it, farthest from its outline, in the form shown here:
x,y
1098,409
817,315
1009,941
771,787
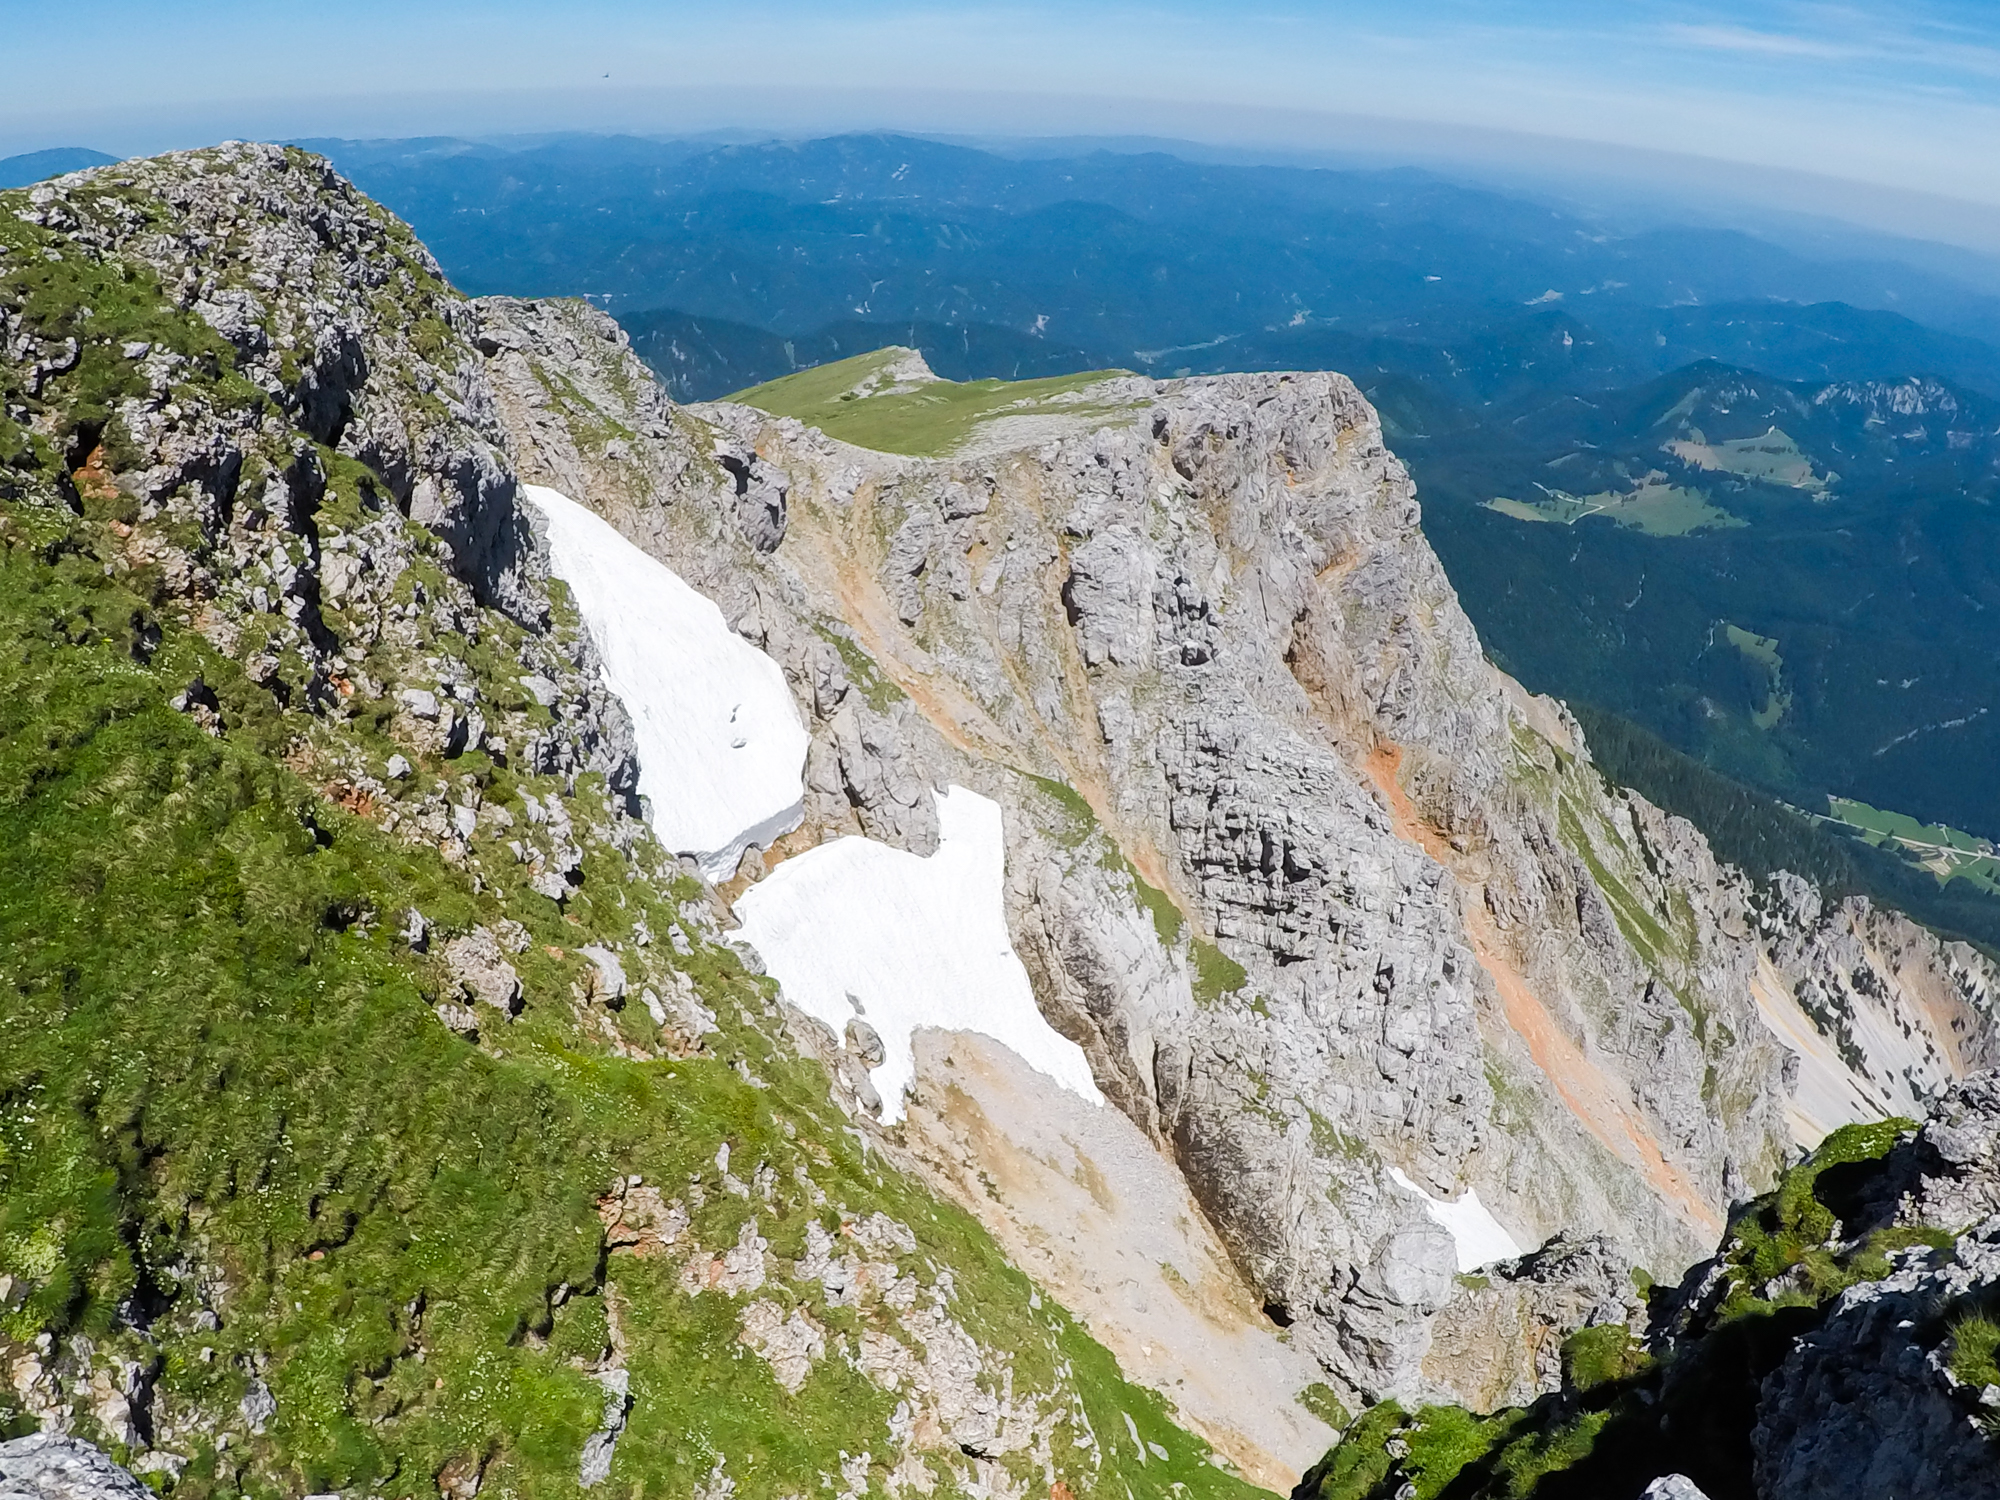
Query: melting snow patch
x,y
720,743
1478,1235
858,928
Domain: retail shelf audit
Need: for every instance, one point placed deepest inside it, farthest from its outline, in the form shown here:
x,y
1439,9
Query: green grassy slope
x,y
927,421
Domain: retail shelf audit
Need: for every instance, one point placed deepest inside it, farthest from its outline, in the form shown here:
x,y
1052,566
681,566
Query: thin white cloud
x,y
1768,43
1916,51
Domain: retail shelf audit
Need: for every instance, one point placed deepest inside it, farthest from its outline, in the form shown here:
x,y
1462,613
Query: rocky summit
x,y
1181,1020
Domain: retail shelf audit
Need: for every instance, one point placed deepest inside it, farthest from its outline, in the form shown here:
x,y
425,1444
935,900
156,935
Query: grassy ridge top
x,y
875,401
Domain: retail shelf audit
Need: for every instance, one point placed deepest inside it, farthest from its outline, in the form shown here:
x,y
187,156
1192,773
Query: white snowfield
x,y
721,747
1479,1236
854,927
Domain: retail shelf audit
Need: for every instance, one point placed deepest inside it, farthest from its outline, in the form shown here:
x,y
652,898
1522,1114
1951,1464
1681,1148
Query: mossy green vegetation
x,y
1081,821
858,401
1156,903
1360,1463
1319,1399
1787,1233
1974,1351
1215,973
876,686
1665,952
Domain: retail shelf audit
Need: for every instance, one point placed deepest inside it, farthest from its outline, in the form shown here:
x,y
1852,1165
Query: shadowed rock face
x,y
1866,1405
1869,1403
1319,891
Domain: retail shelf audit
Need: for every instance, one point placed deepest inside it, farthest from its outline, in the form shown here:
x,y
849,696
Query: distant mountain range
x,y
19,171
1735,495
1114,254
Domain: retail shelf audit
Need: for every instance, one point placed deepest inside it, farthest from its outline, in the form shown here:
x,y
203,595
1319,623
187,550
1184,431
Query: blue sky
x,y
1906,95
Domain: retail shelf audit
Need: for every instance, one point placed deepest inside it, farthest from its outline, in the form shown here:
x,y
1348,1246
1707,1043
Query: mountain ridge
x,y
1321,895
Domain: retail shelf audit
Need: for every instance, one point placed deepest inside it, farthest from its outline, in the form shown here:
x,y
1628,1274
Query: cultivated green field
x,y
862,401
1948,853
1762,651
1652,505
1774,458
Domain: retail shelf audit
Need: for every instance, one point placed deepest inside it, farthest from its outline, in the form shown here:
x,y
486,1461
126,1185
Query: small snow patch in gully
x,y
1479,1236
720,744
854,927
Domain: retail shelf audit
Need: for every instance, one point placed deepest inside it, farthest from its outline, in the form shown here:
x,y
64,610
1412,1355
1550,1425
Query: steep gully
x,y
1592,1097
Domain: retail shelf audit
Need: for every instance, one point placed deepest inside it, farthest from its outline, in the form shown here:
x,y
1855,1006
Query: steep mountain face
x,y
387,1107
1514,352
1324,897
382,1109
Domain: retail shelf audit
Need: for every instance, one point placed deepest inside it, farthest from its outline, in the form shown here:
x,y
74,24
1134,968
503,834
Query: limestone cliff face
x,y
1321,892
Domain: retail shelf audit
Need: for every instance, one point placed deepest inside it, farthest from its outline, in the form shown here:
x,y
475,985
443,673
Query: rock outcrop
x,y
1881,1398
1498,1343
1841,1344
49,1466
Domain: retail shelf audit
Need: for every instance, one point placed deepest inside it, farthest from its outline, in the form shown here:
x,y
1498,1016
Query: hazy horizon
x,y
1881,118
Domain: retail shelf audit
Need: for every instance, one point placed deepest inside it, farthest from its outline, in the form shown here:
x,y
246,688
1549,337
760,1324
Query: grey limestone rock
x,y
865,1042
594,1464
1315,887
609,985
53,1466
292,266
476,962
1498,1342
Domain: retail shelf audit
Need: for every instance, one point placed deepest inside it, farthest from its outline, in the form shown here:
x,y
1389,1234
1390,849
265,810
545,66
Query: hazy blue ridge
x,y
37,166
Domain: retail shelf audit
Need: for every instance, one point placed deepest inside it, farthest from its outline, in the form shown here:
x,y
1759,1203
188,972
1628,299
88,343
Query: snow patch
x,y
721,748
854,927
851,928
1479,1237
